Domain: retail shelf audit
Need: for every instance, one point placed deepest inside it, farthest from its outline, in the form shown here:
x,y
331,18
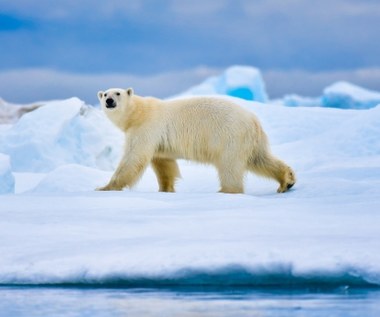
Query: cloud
x,y
323,9
149,36
197,8
30,85
86,10
312,83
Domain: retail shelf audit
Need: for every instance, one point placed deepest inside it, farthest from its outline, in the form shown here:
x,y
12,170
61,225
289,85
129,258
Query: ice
x,y
57,230
342,95
246,82
10,113
237,81
348,96
152,239
61,132
7,180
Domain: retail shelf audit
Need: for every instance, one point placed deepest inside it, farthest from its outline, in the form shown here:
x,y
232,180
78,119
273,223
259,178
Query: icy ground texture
x,y
237,81
56,229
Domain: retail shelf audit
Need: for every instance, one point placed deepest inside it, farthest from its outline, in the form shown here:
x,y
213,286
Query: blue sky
x,y
162,47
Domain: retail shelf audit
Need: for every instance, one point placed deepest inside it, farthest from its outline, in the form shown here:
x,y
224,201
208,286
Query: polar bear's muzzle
x,y
110,103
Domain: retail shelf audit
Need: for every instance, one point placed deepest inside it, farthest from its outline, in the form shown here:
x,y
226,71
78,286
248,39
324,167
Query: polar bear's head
x,y
115,99
117,104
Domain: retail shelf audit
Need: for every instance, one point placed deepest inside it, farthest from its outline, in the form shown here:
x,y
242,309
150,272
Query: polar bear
x,y
203,129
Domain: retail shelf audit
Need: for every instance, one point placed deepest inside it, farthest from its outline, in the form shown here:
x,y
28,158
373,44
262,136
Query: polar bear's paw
x,y
288,181
107,188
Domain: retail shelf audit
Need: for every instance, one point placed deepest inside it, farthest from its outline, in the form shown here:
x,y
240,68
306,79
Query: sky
x,y
75,48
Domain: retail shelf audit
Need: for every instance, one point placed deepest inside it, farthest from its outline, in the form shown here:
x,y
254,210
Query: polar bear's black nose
x,y
110,103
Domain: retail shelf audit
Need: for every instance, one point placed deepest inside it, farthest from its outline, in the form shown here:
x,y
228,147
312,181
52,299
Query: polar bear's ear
x,y
129,91
100,94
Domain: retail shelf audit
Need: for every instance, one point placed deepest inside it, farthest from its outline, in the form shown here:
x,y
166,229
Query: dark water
x,y
96,302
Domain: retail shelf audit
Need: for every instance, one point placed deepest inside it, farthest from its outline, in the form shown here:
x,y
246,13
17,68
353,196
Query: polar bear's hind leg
x,y
271,167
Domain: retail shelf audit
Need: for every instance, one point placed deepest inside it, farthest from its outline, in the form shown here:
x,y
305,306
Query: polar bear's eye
x,y
118,94
105,95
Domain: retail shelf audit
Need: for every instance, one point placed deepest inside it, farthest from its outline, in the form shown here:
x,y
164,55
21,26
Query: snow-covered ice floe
x,y
56,230
139,239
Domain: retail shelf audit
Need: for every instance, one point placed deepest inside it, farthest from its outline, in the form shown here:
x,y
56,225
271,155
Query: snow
x,y
10,113
294,100
7,180
77,136
57,230
69,180
237,81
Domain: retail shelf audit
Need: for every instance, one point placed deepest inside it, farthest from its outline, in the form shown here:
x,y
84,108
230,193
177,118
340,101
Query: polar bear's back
x,y
211,112
204,128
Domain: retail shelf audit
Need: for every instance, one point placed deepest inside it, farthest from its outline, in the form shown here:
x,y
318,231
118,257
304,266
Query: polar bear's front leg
x,y
128,173
135,160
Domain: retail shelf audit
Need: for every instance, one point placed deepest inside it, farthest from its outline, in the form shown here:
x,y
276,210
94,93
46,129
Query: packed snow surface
x,y
57,230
